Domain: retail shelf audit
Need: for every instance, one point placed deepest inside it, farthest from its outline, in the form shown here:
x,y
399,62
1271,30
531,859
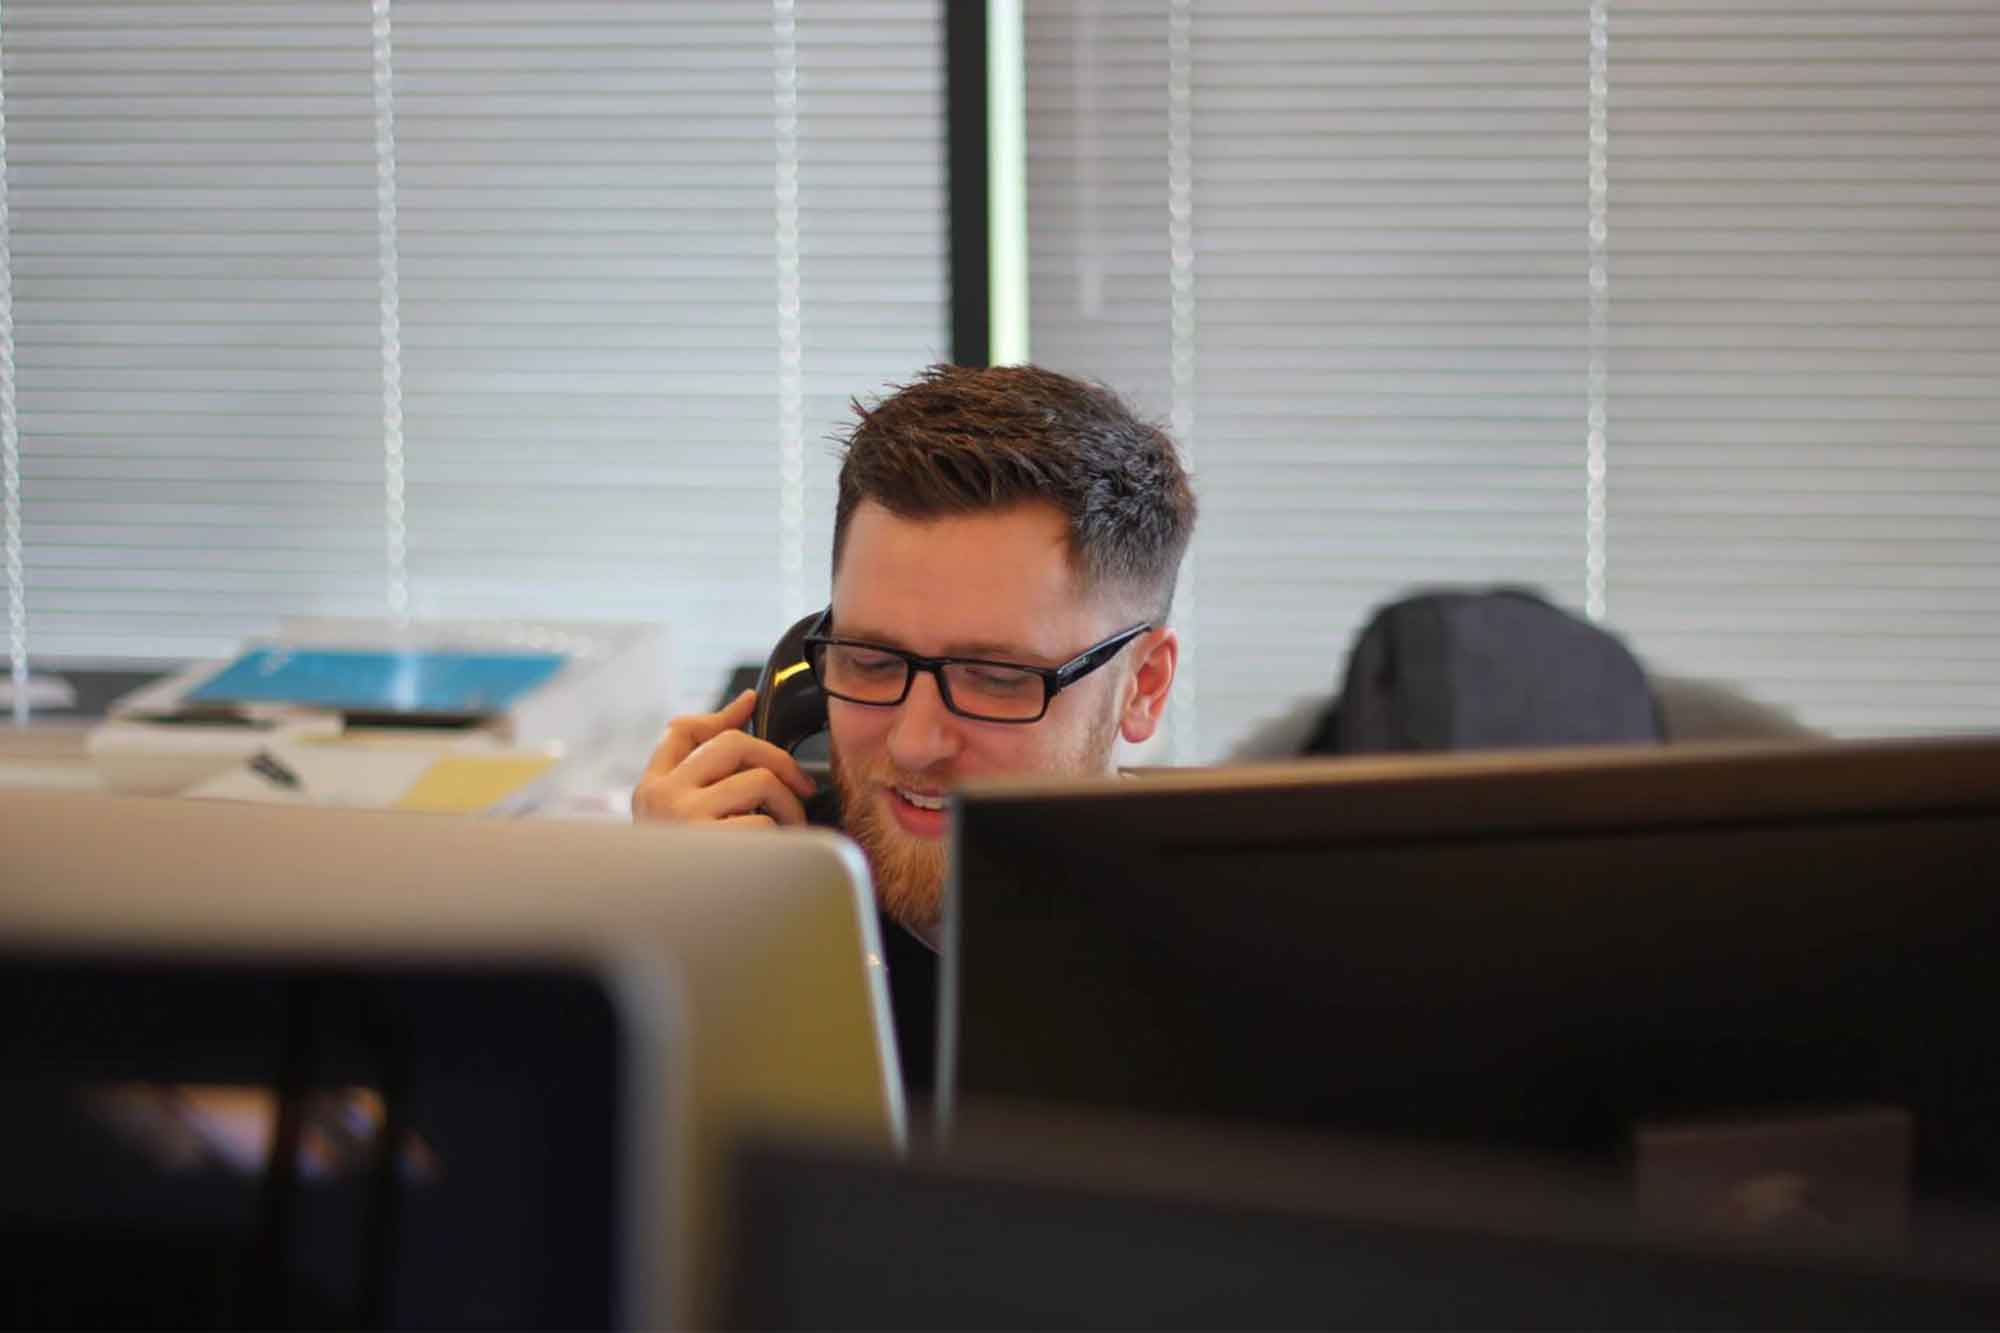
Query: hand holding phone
x,y
708,770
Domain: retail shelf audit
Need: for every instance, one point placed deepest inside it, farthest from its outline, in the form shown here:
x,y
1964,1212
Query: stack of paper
x,y
393,776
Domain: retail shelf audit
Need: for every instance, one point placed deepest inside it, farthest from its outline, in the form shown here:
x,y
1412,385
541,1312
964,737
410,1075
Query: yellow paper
x,y
462,784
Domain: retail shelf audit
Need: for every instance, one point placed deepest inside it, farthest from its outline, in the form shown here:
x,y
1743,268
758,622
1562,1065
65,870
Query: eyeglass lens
x,y
976,689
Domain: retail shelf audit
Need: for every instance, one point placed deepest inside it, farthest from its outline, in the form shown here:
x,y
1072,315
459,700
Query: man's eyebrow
x,y
993,649
1003,652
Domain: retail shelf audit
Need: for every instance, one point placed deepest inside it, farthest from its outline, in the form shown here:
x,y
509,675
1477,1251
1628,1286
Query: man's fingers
x,y
708,770
685,734
737,711
653,798
734,751
747,821
753,791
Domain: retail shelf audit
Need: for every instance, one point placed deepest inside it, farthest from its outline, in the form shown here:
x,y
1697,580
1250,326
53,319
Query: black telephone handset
x,y
790,711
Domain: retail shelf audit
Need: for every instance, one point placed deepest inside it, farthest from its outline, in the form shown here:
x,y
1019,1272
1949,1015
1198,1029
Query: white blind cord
x,y
10,436
395,512
791,341
1186,730
1597,377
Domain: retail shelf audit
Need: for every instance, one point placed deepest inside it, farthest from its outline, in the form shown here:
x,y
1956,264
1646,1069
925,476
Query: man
x,y
1004,553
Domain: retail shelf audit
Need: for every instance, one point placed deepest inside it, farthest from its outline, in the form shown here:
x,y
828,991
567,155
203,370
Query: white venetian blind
x,y
638,254
1805,387
594,251
1687,314
1382,334
192,238
874,244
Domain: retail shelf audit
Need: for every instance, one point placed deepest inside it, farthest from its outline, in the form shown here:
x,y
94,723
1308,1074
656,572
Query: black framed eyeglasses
x,y
972,687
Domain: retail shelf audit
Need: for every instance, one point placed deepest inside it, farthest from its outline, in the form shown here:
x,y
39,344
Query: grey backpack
x,y
1494,668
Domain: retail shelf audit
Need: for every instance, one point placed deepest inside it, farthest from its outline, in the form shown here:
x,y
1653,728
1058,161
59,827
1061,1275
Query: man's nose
x,y
925,732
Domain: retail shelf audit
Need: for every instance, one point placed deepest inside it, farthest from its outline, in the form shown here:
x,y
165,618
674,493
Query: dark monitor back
x,y
1543,951
1047,1222
455,1130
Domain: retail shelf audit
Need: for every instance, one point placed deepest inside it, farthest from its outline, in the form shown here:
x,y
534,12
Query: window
x,y
477,308
1348,249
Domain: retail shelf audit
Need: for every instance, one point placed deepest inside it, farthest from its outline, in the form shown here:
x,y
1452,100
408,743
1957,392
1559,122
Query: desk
x,y
47,755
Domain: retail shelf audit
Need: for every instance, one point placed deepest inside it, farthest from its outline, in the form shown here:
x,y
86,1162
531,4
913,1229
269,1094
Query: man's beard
x,y
909,871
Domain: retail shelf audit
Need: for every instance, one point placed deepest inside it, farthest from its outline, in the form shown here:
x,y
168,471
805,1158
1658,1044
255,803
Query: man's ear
x,y
1145,698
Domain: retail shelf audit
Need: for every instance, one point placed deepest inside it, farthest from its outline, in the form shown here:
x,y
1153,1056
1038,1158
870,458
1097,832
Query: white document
x,y
326,773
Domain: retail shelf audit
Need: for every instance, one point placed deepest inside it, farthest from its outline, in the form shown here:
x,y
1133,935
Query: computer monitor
x,y
511,1056
1046,1219
1756,980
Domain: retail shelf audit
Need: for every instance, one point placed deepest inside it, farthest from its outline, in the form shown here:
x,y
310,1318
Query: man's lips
x,y
919,811
922,798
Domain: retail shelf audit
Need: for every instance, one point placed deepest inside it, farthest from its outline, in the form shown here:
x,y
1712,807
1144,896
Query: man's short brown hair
x,y
972,440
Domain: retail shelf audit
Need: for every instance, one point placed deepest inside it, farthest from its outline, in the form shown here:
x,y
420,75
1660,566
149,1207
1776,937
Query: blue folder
x,y
460,684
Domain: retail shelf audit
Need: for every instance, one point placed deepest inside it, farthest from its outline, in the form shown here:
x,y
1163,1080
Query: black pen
x,y
268,765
